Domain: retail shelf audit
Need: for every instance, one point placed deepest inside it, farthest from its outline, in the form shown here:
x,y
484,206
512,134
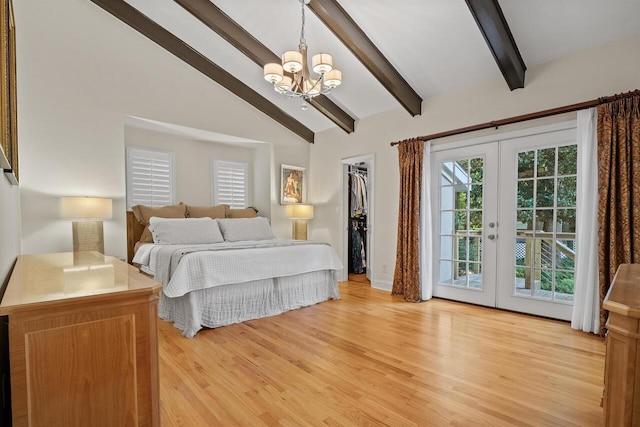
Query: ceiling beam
x,y
352,36
496,32
214,18
145,26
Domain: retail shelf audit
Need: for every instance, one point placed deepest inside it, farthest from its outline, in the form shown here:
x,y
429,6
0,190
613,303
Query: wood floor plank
x,y
373,359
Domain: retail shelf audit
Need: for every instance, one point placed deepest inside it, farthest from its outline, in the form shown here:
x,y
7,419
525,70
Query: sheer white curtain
x,y
586,306
426,236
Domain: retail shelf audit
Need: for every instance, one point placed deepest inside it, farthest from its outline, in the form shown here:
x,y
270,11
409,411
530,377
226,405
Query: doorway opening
x,y
357,218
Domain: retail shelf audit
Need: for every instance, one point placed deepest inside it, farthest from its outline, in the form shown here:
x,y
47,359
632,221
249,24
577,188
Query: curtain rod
x,y
522,118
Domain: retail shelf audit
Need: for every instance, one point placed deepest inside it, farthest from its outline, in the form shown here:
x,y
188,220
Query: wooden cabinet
x,y
621,402
83,342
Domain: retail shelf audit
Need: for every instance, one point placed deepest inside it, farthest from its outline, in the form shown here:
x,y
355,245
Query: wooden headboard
x,y
134,232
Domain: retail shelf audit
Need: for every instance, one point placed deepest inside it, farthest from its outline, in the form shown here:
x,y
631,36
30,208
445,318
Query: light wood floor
x,y
372,359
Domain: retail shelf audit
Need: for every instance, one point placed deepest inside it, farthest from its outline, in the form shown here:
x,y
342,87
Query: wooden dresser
x,y
83,342
621,400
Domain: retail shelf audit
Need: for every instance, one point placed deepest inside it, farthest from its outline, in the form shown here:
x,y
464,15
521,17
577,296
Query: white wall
x,y
193,165
10,245
598,72
80,73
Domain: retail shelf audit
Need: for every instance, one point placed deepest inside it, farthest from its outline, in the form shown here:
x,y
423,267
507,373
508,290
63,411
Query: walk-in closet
x,y
358,191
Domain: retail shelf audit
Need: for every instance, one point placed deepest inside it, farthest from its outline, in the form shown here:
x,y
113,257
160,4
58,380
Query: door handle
x,y
491,236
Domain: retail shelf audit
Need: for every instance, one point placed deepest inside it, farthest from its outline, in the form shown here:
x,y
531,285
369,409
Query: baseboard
x,y
385,285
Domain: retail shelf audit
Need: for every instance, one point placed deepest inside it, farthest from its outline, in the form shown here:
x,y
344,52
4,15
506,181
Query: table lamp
x,y
87,231
299,214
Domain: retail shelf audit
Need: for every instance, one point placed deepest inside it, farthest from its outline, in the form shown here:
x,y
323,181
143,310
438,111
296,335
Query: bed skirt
x,y
227,304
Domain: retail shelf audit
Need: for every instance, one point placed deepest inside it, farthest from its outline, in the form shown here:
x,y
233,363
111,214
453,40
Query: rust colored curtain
x,y
406,277
618,190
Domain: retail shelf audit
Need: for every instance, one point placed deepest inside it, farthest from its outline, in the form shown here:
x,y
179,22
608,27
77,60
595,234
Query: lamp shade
x,y
300,211
333,78
322,63
273,72
311,88
86,207
284,85
292,61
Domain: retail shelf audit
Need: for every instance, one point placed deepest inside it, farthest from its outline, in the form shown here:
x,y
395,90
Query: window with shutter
x,y
150,177
231,183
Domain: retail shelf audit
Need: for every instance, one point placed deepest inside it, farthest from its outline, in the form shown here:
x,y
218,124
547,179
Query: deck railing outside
x,y
538,252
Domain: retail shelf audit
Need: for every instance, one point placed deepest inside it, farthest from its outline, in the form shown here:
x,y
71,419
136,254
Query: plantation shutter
x,y
230,186
150,177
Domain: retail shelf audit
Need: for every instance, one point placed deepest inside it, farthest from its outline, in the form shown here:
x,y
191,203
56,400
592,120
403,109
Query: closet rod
x,y
522,118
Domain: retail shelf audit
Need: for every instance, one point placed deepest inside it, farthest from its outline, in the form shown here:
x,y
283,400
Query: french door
x,y
504,223
465,223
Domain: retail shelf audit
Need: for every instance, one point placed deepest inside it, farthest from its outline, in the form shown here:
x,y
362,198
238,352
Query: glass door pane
x,y
538,222
461,222
546,221
460,179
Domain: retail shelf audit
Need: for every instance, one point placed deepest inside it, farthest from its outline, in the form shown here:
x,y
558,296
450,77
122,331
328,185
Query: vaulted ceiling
x,y
393,54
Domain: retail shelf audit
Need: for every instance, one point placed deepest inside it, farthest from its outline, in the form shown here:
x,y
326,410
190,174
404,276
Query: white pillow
x,y
184,231
239,229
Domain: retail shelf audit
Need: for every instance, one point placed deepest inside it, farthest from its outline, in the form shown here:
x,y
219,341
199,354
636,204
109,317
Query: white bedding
x,y
228,304
219,284
226,263
141,258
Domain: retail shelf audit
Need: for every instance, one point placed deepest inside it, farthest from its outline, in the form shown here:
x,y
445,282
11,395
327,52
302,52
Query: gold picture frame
x,y
8,97
292,185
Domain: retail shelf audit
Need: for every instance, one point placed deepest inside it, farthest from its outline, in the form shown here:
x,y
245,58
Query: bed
x,y
241,274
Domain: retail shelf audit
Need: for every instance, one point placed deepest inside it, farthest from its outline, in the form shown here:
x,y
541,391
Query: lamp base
x,y
299,229
88,236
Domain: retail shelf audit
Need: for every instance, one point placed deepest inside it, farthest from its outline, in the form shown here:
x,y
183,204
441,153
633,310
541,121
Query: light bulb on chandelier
x,y
292,77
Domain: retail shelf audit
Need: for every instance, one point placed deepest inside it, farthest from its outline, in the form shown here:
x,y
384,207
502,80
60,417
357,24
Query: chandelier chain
x,y
302,39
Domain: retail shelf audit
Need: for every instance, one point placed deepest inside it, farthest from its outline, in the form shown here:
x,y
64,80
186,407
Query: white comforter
x,y
226,263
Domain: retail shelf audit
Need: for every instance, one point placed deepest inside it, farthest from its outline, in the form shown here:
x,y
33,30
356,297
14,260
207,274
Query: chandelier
x,y
292,77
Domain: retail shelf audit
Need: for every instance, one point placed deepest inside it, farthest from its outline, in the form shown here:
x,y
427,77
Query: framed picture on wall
x,y
292,185
8,108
